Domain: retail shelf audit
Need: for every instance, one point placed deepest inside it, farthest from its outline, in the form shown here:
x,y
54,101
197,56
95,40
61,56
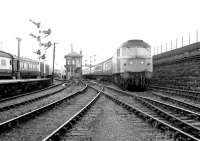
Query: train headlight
x,y
142,62
131,62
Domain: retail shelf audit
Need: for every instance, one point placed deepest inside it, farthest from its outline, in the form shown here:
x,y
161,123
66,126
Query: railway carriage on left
x,y
28,68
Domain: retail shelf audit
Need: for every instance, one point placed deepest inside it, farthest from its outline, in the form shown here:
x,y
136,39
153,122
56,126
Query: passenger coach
x,y
28,68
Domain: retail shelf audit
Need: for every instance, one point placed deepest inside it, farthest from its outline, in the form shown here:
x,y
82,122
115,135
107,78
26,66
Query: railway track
x,y
183,123
30,97
32,93
103,120
12,111
57,133
37,124
193,95
191,104
182,103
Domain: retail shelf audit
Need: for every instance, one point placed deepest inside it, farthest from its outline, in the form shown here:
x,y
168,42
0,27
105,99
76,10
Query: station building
x,y
73,65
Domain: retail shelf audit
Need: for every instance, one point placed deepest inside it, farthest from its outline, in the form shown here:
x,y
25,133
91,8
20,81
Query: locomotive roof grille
x,y
135,43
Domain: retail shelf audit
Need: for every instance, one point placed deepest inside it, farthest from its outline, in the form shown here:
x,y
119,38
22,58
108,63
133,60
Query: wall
x,y
178,68
15,87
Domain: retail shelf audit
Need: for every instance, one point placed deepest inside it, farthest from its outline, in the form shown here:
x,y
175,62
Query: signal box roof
x,y
73,54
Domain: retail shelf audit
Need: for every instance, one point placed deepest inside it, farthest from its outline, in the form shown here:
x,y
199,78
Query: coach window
x,y
21,65
77,61
3,62
73,62
118,52
25,66
37,67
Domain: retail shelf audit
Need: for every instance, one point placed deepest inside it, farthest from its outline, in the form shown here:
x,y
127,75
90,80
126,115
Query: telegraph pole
x,y
18,58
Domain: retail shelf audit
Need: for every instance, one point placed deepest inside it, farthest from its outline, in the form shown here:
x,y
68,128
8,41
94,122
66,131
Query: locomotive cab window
x,y
136,52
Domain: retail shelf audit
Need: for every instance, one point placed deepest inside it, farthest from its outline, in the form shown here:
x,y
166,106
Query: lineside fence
x,y
177,43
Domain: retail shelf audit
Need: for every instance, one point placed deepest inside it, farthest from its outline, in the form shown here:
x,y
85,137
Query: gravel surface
x,y
123,97
39,127
130,100
19,110
107,121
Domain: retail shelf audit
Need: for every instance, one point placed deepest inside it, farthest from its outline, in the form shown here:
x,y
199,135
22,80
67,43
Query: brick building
x,y
73,65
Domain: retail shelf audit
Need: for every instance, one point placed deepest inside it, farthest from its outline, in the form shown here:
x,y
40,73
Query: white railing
x,y
176,43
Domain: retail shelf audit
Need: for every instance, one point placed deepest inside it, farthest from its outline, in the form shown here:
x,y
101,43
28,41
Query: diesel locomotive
x,y
130,67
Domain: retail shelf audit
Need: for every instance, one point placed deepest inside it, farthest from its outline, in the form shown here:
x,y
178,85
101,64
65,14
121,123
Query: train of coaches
x,y
28,68
130,66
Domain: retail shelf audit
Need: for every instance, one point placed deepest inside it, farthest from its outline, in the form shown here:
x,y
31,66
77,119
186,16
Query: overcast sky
x,y
96,26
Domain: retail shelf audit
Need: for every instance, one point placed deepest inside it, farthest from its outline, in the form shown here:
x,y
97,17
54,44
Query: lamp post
x,y
18,57
54,48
